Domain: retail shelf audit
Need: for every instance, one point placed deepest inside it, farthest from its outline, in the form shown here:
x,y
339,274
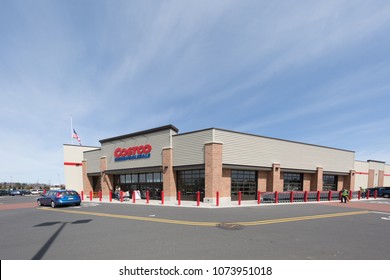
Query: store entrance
x,y
190,182
142,182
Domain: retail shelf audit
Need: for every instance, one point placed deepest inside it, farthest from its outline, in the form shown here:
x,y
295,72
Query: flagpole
x,y
71,128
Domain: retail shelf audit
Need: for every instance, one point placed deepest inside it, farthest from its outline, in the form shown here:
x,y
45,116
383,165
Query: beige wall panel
x,y
361,175
243,149
387,176
73,173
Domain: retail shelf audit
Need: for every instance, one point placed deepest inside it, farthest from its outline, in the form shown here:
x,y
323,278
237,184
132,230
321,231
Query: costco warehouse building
x,y
214,160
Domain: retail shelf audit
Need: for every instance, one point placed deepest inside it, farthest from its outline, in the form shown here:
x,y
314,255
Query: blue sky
x,y
309,71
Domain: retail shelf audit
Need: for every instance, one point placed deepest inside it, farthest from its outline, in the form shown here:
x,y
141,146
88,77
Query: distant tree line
x,y
27,186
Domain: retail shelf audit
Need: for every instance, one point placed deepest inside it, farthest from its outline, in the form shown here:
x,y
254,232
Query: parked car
x,y
25,192
381,192
15,192
4,192
35,192
56,198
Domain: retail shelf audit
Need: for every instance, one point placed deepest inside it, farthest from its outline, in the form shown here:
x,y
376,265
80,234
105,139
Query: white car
x,y
35,192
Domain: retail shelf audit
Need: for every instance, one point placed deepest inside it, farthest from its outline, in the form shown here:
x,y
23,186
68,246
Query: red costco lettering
x,y
125,152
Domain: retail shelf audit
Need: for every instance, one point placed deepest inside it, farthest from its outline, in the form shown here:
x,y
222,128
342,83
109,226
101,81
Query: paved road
x,y
94,231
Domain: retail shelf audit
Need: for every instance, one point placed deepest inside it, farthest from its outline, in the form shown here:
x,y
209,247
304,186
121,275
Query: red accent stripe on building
x,y
73,163
364,173
387,174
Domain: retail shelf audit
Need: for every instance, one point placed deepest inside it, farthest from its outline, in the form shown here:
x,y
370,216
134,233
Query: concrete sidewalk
x,y
193,204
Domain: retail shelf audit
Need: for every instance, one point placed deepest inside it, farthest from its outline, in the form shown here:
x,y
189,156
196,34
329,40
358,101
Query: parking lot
x,y
124,231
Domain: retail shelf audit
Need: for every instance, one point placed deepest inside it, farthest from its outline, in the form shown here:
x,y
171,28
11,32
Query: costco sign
x,y
132,153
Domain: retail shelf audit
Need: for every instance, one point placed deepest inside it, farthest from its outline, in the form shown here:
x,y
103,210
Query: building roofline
x,y
266,137
161,128
80,146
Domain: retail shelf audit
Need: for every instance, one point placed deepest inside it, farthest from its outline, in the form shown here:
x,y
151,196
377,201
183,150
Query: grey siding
x,y
189,148
93,161
244,149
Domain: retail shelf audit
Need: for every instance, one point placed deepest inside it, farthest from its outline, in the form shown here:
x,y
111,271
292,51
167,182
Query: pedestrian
x,y
344,195
117,193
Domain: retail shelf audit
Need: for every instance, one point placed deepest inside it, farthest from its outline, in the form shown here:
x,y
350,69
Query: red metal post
x,y
179,197
239,198
330,196
133,196
198,198
90,195
82,195
375,194
276,197
318,195
100,195
350,195
121,196
291,196
147,197
110,195
368,194
359,194
258,197
305,196
162,197
217,198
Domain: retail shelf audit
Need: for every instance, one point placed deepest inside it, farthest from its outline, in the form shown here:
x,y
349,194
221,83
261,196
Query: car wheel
x,y
386,195
39,202
52,204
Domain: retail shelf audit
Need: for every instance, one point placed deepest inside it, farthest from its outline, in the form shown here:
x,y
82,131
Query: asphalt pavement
x,y
127,231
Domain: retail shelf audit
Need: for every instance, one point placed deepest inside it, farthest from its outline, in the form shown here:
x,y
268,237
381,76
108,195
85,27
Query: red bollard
x,y
82,195
350,195
359,194
258,197
147,197
330,196
292,197
100,196
239,198
318,195
375,194
162,197
133,196
110,195
178,198
276,197
305,196
121,196
217,197
198,198
90,195
368,194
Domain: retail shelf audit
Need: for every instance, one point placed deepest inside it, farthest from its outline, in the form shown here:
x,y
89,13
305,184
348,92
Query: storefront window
x,y
329,183
149,177
293,182
157,177
244,181
189,182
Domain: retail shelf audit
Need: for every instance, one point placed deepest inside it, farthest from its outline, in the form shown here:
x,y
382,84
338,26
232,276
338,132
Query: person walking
x,y
344,195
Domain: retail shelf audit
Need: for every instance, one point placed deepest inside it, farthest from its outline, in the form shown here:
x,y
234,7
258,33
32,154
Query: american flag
x,y
75,136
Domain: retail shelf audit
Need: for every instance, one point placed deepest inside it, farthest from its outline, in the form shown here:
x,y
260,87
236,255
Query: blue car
x,y
56,198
